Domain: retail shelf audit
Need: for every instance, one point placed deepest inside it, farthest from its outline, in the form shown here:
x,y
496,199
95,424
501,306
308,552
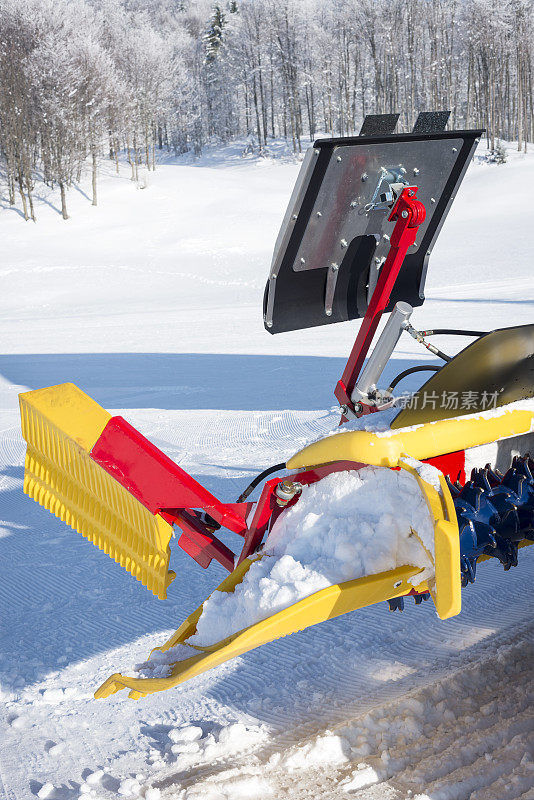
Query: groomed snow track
x,y
462,737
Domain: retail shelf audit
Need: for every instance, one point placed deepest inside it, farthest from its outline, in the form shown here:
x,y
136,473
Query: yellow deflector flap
x,y
446,586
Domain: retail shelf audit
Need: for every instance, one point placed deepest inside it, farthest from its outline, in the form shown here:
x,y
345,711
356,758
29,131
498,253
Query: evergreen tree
x,y
214,36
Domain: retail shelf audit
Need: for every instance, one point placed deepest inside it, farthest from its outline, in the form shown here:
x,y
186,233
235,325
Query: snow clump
x,y
349,524
345,526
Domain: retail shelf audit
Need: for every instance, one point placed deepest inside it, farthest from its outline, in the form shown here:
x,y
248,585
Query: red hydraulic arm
x,y
407,213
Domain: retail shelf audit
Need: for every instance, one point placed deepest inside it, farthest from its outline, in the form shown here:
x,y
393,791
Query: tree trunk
x,y
136,160
93,154
130,161
11,190
63,200
23,196
30,198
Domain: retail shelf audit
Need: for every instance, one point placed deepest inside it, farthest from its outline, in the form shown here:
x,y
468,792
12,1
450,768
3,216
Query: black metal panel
x,y
295,293
493,371
379,124
431,121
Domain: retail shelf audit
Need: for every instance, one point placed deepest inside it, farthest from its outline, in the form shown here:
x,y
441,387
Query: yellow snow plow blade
x,y
326,604
61,425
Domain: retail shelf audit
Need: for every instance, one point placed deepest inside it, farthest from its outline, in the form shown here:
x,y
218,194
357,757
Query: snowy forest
x,y
86,80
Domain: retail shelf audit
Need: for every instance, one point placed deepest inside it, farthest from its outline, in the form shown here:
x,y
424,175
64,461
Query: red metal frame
x,y
155,479
267,509
451,464
408,213
166,489
201,544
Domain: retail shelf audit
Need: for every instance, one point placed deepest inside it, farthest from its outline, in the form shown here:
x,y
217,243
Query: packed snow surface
x,y
151,303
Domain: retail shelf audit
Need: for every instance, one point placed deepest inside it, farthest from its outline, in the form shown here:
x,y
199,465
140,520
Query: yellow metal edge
x,y
446,587
422,441
188,627
66,408
318,607
447,546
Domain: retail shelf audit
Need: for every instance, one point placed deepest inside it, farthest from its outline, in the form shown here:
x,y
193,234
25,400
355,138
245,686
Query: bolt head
x,y
302,260
364,177
404,214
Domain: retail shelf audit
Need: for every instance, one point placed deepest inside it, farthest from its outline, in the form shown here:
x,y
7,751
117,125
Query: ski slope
x,y
151,303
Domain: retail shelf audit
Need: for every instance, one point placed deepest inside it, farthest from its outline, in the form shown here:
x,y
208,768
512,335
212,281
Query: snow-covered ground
x,y
152,304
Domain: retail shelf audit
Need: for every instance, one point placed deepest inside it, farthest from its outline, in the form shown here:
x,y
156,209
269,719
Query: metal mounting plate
x,y
327,223
339,213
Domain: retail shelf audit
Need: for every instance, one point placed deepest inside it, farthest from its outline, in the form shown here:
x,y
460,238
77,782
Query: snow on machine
x,y
402,499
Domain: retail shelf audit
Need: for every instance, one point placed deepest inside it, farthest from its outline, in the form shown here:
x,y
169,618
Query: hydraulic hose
x,y
409,371
258,479
419,337
453,332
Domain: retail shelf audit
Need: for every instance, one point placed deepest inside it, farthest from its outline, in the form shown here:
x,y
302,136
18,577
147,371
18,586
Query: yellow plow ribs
x,y
61,425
